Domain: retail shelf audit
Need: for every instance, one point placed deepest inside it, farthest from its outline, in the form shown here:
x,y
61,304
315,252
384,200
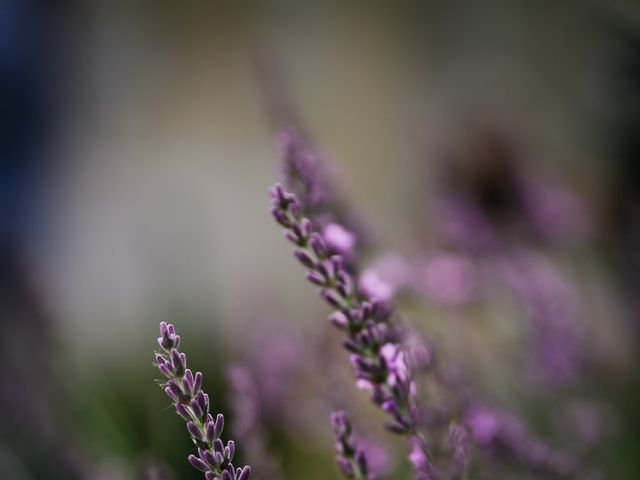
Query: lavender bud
x,y
317,245
219,425
244,473
218,446
339,320
390,406
210,432
230,450
203,401
198,464
281,217
209,458
171,394
277,194
176,361
305,227
292,237
351,346
343,290
297,229
326,269
183,412
194,431
337,262
331,297
318,279
195,406
166,370
395,427
188,381
304,258
345,467
197,382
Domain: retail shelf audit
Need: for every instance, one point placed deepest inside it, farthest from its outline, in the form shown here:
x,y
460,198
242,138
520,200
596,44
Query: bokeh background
x,y
136,150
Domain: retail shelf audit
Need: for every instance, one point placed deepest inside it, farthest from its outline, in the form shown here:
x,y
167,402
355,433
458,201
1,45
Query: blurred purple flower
x,y
504,438
552,309
385,276
465,226
373,286
247,424
449,279
338,238
304,171
421,464
457,438
351,458
555,212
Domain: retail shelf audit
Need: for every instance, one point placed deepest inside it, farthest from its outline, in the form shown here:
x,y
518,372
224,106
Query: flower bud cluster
x,y
183,387
351,458
380,364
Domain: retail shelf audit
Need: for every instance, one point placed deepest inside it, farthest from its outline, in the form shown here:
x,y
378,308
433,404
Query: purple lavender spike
x,y
350,458
377,357
248,426
192,404
551,307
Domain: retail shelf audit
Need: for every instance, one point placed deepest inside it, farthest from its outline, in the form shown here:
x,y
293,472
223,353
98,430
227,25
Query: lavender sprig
x,y
378,360
248,426
351,458
192,404
308,175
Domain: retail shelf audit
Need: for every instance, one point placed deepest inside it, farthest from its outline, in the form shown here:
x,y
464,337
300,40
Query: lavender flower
x,y
549,303
305,173
247,425
449,279
504,438
386,275
351,458
192,404
308,175
422,466
372,338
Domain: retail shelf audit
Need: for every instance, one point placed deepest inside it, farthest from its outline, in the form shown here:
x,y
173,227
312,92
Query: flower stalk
x,y
183,387
371,337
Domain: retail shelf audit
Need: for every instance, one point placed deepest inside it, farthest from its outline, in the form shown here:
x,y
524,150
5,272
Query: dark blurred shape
x,y
32,436
494,197
622,219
